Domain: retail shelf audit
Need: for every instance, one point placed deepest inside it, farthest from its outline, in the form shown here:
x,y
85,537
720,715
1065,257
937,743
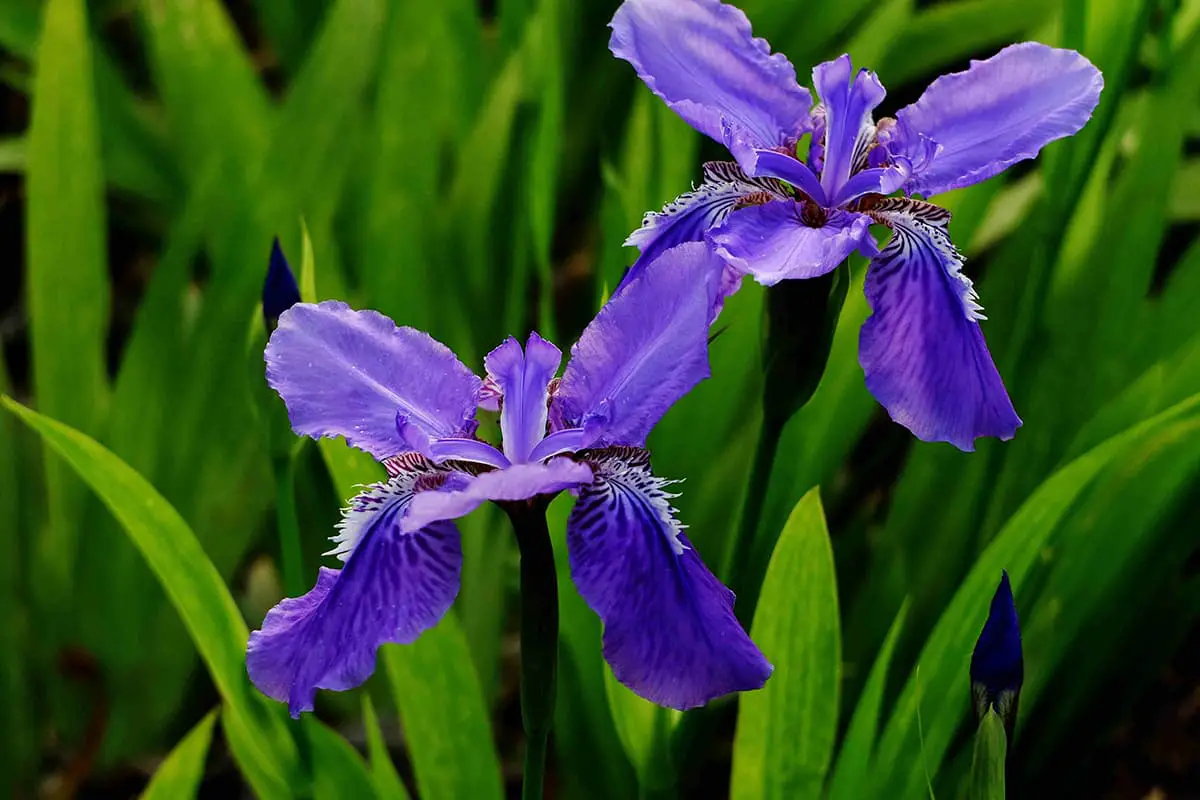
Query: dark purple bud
x,y
997,667
279,289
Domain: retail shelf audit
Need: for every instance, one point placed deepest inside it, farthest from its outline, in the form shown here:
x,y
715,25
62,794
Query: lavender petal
x,y
351,373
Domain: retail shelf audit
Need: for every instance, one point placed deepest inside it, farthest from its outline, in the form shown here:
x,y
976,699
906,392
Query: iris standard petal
x,y
999,111
518,482
922,348
394,586
848,100
523,377
689,216
349,373
702,59
646,348
670,634
772,242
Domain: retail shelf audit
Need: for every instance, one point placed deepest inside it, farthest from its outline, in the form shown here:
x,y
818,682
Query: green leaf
x,y
852,769
66,274
987,766
219,112
192,584
645,732
383,771
179,775
899,768
338,771
786,730
17,752
441,709
13,154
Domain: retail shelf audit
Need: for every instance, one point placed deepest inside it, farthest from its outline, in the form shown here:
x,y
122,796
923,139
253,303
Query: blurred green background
x,y
471,168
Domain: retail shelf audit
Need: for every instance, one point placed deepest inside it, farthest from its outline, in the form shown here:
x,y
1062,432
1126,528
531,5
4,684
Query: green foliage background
x,y
473,171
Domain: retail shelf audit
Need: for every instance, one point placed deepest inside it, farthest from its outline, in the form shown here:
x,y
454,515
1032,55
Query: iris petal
x,y
670,634
350,373
518,482
523,377
772,242
702,59
646,348
999,111
689,216
394,586
848,101
922,348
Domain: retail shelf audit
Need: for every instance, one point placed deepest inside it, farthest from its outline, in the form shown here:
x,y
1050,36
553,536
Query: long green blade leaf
x,y
786,730
66,276
179,776
190,581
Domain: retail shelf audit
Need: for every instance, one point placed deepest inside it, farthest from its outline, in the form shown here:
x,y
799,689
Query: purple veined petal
x,y
688,217
567,440
922,348
349,373
394,586
471,450
518,482
646,348
999,111
524,380
848,100
772,243
782,166
702,59
670,634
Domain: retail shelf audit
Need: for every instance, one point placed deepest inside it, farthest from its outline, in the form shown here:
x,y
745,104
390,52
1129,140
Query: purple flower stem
x,y
539,637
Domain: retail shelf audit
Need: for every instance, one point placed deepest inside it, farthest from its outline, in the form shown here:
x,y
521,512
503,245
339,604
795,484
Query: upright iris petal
x,y
923,350
641,352
406,399
523,378
701,58
1000,111
336,370
997,665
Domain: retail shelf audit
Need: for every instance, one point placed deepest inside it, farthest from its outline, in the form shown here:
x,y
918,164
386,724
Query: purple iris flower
x,y
669,629
775,215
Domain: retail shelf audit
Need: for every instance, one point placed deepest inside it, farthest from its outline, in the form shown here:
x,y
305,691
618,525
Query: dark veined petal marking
x,y
394,586
670,634
922,348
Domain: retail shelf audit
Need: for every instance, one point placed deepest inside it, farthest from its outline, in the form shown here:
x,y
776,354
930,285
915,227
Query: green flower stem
x,y
539,637
801,317
284,468
740,557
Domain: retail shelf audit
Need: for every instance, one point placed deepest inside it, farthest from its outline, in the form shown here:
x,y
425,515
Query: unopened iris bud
x,y
280,291
997,667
